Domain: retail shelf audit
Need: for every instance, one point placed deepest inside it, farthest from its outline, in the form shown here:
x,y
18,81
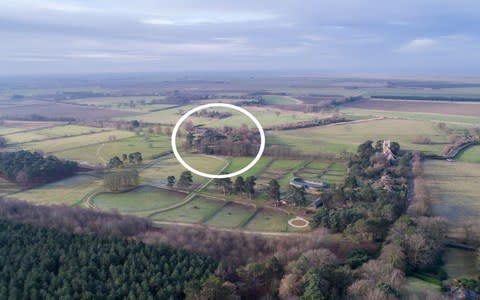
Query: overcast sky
x,y
434,37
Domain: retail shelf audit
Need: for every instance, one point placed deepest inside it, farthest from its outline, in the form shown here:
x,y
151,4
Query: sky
x,y
417,37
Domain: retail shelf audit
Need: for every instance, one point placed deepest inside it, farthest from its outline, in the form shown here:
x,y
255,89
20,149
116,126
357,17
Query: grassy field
x,y
231,215
196,211
143,198
268,220
455,187
418,287
7,187
459,263
279,100
355,113
266,117
68,130
167,116
471,155
101,153
9,130
237,163
158,173
24,137
69,191
47,133
346,137
76,142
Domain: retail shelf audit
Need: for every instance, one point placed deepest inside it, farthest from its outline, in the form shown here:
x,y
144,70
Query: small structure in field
x,y
309,186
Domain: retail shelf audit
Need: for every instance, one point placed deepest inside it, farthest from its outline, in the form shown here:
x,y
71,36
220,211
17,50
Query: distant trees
x,y
185,180
133,158
170,181
420,139
226,141
249,186
3,142
296,196
225,184
115,162
32,168
120,180
214,114
274,190
238,185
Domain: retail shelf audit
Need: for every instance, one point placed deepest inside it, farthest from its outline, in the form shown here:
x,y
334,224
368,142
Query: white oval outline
x,y
215,176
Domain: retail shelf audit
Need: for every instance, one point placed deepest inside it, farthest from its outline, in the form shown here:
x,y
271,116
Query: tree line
x,y
40,263
226,141
213,114
134,158
32,168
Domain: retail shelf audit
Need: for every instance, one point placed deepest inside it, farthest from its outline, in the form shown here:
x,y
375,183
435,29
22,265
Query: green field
x,y
123,102
141,199
76,142
279,100
347,137
7,187
196,211
471,155
48,133
9,130
231,215
157,174
459,263
166,116
356,113
266,118
101,153
68,130
418,287
268,220
68,191
237,163
24,137
455,187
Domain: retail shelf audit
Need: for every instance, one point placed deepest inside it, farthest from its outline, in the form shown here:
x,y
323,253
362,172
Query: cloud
x,y
419,45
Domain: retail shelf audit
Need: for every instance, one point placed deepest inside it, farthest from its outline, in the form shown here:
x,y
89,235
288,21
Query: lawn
x,y
347,137
266,117
237,163
268,220
68,130
354,113
455,187
24,137
458,262
279,100
69,191
7,187
101,153
166,116
9,130
141,199
158,173
196,211
231,215
471,155
76,142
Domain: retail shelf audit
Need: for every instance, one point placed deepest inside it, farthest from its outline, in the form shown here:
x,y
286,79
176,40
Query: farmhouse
x,y
309,186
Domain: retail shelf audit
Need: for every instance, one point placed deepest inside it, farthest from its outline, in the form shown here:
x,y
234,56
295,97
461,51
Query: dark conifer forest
x,y
40,263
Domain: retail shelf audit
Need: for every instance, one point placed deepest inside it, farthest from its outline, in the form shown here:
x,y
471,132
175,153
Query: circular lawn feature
x,y
298,222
